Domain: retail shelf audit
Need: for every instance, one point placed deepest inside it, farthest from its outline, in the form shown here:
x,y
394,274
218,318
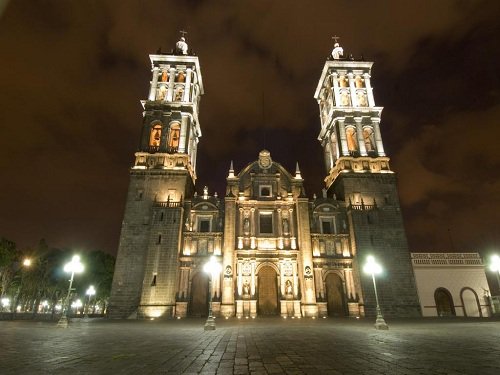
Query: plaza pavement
x,y
260,346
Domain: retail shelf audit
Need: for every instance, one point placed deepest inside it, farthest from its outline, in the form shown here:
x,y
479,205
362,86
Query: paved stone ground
x,y
260,346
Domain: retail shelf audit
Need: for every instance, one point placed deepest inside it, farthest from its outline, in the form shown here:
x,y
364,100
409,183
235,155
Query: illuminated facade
x,y
282,253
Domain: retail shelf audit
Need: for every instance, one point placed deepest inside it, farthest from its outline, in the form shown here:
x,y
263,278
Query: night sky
x,y
72,74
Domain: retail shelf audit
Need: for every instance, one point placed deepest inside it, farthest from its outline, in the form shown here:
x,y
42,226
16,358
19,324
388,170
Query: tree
x,y
7,258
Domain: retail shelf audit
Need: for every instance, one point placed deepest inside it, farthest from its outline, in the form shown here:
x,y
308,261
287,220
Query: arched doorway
x,y
268,291
335,295
470,302
444,302
199,295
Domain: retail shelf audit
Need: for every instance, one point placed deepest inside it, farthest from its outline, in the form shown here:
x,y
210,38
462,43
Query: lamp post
x,y
90,292
374,268
213,268
72,267
495,267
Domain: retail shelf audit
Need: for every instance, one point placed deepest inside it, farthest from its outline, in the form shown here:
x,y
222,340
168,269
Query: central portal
x,y
268,291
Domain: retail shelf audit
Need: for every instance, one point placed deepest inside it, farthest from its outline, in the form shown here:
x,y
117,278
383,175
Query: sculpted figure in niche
x,y
352,144
246,288
345,100
368,138
286,226
246,226
288,288
361,99
164,76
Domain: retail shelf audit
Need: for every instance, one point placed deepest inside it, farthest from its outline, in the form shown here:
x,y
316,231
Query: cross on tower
x,y
336,38
183,33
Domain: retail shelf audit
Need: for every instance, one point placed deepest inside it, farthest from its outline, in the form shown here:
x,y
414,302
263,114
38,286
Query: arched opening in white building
x,y
470,302
444,302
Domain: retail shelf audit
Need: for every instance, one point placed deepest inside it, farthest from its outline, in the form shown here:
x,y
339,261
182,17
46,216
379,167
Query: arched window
x,y
164,76
352,143
155,136
359,82
174,137
181,77
369,139
444,302
179,92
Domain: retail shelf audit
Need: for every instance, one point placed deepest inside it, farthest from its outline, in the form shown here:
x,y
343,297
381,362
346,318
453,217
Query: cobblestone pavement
x,y
260,346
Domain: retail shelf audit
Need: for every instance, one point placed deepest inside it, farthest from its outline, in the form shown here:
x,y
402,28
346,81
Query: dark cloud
x,y
72,75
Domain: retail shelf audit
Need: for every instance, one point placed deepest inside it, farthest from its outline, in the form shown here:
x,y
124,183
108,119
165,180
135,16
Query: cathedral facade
x,y
281,252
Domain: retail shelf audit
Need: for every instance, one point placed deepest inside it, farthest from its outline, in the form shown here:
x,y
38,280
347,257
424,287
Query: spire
x,y
298,176
231,171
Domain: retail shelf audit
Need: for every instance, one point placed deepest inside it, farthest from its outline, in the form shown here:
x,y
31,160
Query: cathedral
x,y
281,252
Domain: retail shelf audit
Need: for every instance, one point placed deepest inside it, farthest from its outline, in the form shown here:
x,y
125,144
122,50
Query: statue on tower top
x,y
338,51
181,46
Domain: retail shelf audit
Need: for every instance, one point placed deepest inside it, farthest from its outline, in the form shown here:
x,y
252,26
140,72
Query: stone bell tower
x,y
358,172
163,175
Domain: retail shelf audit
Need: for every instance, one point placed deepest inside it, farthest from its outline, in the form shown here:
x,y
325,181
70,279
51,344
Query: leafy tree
x,y
8,254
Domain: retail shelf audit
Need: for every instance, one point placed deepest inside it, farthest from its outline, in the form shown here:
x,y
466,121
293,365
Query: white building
x,y
451,284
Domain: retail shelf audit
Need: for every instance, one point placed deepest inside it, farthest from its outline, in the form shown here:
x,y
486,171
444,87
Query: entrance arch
x,y
444,302
268,291
199,295
335,295
470,302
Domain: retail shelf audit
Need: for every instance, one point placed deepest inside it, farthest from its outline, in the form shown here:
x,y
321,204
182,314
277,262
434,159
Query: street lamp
x,y
213,268
74,267
373,268
495,266
90,292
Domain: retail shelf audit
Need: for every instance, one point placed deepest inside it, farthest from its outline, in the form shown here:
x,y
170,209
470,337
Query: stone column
x,y
343,138
378,136
252,280
227,306
187,86
154,84
352,89
171,84
309,307
359,133
336,90
369,90
183,138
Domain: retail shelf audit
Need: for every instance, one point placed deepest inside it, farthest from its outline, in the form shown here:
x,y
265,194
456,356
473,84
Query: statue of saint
x,y
246,226
162,92
286,226
246,288
288,287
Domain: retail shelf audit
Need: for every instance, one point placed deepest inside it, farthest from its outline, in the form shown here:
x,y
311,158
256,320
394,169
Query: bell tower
x,y
162,177
358,172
